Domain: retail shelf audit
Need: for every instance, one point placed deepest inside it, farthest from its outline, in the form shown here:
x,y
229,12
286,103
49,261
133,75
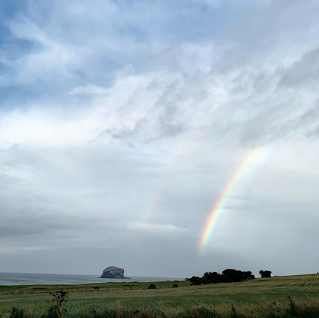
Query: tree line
x,y
227,276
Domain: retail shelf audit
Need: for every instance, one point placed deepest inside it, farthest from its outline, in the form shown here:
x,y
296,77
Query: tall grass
x,y
291,296
307,309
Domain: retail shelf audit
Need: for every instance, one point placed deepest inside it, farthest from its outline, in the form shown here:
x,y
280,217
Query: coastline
x,y
29,279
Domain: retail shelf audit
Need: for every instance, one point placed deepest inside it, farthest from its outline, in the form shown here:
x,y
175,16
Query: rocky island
x,y
114,272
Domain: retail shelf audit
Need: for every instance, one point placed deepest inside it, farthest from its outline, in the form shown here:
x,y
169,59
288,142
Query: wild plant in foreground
x,y
57,309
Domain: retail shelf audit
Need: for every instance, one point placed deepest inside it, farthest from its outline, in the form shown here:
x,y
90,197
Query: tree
x,y
195,280
227,276
265,274
248,275
234,275
212,277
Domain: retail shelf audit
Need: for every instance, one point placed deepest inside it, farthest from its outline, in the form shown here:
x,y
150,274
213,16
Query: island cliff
x,y
113,272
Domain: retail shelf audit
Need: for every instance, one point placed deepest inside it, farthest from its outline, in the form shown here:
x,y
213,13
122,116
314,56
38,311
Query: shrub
x,y
234,275
152,286
265,274
174,286
195,280
57,309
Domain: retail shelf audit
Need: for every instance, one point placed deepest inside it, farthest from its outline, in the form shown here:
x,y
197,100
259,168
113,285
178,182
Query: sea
x,y
10,279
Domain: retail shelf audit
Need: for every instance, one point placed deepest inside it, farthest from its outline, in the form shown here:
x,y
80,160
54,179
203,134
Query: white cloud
x,y
159,229
214,3
160,135
45,129
89,89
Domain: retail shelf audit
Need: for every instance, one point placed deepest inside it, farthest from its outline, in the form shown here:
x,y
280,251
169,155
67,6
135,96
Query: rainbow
x,y
252,158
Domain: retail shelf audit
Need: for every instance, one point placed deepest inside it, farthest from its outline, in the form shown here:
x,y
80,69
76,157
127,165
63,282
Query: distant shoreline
x,y
115,277
28,279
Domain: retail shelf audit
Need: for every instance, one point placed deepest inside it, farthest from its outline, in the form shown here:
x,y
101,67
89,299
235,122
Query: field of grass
x,y
256,298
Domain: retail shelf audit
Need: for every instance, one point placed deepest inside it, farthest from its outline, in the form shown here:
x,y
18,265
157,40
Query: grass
x,y
256,298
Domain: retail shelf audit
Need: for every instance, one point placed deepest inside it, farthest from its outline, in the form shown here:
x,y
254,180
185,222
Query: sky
x,y
125,126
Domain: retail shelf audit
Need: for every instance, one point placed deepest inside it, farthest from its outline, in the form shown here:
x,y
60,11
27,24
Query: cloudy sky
x,y
124,123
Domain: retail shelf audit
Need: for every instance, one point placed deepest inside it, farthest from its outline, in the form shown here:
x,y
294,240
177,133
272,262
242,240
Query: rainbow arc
x,y
250,161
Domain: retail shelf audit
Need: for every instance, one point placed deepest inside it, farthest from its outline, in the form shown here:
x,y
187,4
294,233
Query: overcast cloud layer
x,y
121,123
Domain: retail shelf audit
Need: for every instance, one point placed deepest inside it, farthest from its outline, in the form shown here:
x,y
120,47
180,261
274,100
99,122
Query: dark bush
x,y
237,276
174,286
57,309
212,277
152,286
265,274
228,275
215,278
195,280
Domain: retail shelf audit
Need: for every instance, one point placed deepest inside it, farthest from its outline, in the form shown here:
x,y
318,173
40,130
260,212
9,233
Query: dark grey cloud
x,y
303,72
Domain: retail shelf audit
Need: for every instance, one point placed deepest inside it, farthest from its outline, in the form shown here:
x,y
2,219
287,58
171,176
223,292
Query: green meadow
x,y
287,296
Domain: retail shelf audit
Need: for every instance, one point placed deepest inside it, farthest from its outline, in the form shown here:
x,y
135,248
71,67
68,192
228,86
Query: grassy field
x,y
255,298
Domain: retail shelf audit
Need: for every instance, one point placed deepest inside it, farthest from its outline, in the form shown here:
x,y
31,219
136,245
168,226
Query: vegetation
x,y
152,286
227,276
265,274
291,296
57,309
